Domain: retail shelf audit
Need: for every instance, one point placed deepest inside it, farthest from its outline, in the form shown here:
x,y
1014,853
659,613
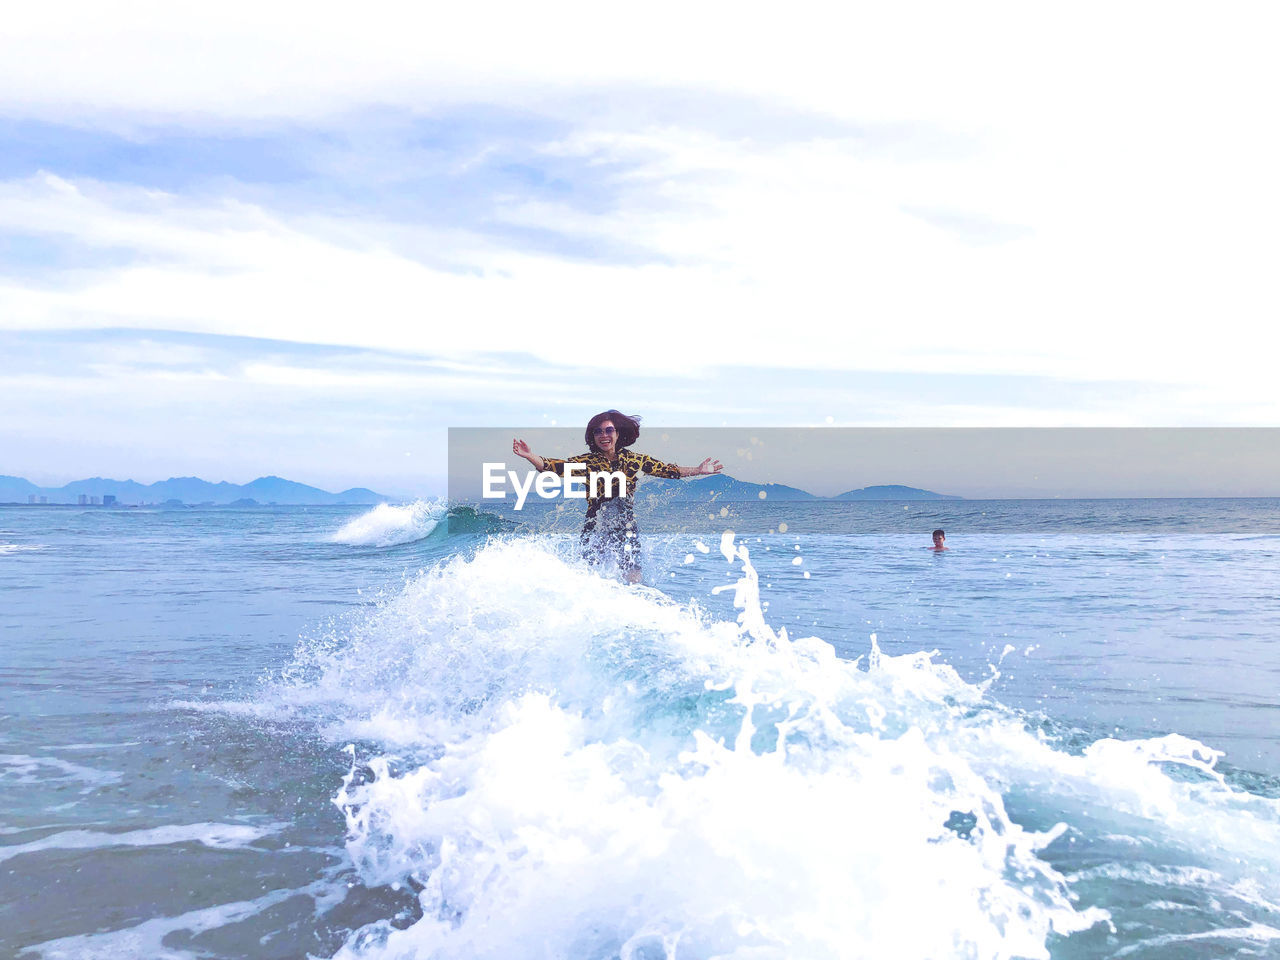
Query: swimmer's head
x,y
939,536
625,430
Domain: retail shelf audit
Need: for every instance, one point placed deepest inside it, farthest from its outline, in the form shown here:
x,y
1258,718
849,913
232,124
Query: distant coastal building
x,y
108,500
83,500
31,498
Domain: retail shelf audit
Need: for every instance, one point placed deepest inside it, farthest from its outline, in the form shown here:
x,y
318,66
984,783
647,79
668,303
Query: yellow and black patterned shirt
x,y
629,464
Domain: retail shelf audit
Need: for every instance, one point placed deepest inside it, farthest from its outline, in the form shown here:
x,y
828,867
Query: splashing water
x,y
386,525
562,766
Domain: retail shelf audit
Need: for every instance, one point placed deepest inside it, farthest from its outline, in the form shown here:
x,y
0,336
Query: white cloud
x,y
791,255
1129,151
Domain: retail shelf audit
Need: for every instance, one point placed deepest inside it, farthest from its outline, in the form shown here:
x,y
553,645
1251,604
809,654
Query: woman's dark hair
x,y
940,533
628,429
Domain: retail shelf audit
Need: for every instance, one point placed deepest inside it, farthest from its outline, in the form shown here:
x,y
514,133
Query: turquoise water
x,y
330,731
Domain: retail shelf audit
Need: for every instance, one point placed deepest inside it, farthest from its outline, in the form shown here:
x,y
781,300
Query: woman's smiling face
x,y
605,436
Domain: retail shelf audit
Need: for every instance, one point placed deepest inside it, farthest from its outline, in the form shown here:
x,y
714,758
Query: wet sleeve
x,y
656,468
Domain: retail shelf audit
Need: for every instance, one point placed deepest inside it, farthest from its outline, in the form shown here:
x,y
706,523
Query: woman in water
x,y
610,530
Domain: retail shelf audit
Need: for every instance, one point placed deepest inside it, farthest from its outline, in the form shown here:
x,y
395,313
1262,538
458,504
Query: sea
x,y
423,731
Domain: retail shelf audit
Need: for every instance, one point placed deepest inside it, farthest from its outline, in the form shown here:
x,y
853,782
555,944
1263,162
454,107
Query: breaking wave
x,y
563,766
387,525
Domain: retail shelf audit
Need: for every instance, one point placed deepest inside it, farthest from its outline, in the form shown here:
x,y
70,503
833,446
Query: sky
x,y
305,240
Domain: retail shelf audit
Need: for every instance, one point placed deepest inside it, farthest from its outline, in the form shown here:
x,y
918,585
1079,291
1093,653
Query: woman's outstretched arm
x,y
544,464
521,449
707,466
672,471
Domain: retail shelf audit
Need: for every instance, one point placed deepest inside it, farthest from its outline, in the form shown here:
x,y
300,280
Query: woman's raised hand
x,y
709,466
521,449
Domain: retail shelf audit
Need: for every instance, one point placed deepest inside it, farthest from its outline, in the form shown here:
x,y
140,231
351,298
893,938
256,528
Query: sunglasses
x,y
603,432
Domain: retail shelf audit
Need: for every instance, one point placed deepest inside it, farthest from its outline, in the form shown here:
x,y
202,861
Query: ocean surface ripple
x,y
420,732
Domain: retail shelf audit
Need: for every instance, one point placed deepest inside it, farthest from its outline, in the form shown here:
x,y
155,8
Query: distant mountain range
x,y
186,490
721,486
268,490
894,491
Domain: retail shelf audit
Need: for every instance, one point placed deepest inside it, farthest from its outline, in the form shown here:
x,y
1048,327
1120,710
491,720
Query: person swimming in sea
x,y
610,533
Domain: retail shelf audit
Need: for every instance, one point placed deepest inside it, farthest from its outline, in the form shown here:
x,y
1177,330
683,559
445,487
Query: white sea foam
x,y
21,768
147,939
11,548
593,768
222,836
1254,933
387,525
